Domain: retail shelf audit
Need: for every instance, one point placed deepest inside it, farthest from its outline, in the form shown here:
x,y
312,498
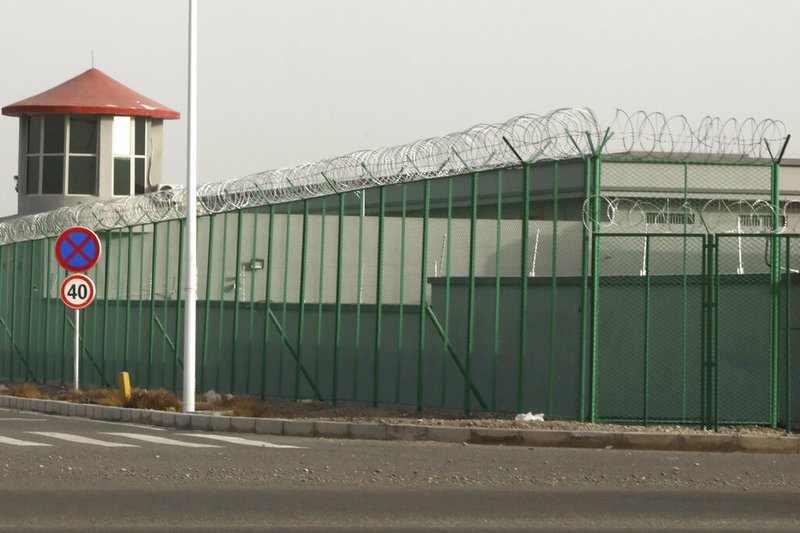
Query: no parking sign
x,y
77,250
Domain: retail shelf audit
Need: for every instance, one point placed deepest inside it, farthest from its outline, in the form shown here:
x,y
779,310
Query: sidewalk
x,y
451,434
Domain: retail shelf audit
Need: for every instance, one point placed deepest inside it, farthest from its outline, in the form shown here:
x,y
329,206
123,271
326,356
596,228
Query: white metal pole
x,y
190,301
740,269
535,253
77,346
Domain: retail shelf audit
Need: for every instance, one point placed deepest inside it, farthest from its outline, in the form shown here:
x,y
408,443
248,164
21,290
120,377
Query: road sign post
x,y
77,250
76,344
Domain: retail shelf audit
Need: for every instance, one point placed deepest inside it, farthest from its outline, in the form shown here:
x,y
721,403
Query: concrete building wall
x,y
790,180
669,179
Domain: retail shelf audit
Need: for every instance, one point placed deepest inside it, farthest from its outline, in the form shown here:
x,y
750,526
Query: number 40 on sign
x,y
77,291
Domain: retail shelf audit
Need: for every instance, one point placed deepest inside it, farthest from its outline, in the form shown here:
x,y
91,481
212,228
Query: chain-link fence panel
x,y
789,350
16,294
649,348
685,197
744,350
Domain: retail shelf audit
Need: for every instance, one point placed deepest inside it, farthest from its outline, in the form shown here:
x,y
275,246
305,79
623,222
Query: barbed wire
x,y
655,135
635,215
561,134
481,147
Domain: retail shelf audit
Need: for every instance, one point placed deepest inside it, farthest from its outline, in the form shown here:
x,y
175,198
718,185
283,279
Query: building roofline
x,y
94,93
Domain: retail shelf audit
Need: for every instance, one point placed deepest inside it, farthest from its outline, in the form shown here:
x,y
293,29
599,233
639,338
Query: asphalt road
x,y
136,477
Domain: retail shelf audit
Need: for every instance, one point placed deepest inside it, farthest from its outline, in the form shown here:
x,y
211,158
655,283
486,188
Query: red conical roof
x,y
92,93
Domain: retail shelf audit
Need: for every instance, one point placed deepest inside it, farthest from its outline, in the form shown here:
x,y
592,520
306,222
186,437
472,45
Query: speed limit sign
x,y
77,291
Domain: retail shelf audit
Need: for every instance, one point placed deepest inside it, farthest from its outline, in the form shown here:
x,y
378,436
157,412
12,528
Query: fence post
x,y
704,335
423,292
206,315
710,381
585,266
376,368
553,295
525,268
163,325
595,162
775,274
178,322
448,249
2,300
321,286
251,310
30,269
685,282
401,297
646,326
152,304
359,288
595,252
301,301
117,300
140,307
106,266
221,329
715,328
473,237
236,300
788,324
14,308
267,300
47,331
338,324
497,272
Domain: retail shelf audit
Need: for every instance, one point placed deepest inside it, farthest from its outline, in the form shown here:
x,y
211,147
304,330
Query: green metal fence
x,y
649,351
693,327
545,287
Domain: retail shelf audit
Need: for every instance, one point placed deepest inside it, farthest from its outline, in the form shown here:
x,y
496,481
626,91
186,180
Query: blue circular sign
x,y
77,249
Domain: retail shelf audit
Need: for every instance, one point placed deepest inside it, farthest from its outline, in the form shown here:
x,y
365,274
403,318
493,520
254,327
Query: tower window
x,y
62,155
130,155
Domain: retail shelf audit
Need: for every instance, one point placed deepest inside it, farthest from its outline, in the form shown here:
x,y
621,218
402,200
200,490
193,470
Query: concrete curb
x,y
379,431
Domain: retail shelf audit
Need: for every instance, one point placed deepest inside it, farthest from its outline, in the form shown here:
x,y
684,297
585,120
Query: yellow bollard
x,y
125,385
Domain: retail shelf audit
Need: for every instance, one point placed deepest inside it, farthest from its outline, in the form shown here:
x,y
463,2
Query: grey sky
x,y
283,82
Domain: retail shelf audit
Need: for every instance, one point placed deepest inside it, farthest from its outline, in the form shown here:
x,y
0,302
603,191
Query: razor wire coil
x,y
655,135
561,134
634,215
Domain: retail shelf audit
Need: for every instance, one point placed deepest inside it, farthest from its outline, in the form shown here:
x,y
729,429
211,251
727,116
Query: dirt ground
x,y
342,411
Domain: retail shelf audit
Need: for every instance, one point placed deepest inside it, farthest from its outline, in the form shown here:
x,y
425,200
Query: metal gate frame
x,y
779,361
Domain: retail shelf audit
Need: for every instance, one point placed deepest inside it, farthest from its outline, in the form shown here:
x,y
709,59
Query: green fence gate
x,y
696,329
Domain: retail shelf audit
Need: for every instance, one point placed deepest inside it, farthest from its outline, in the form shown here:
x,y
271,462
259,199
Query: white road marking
x,y
16,442
82,440
160,440
238,440
125,424
23,419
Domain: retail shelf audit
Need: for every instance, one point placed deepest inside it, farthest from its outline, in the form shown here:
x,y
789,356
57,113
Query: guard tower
x,y
87,140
